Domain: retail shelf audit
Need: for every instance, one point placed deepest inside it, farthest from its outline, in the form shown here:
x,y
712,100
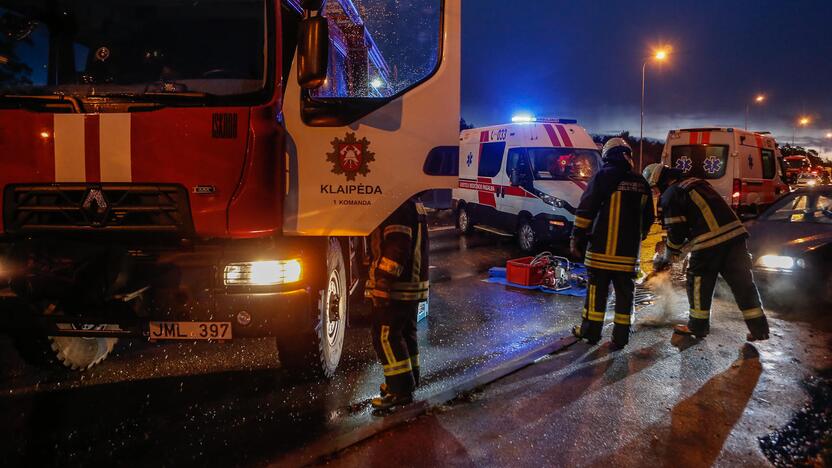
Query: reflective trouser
x,y
395,342
595,306
733,262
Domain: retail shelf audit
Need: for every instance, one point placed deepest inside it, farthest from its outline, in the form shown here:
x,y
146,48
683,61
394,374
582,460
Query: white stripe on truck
x,y
69,148
114,145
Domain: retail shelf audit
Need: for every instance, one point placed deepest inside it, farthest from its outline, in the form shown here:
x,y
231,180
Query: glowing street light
x,y
659,55
828,134
758,99
802,121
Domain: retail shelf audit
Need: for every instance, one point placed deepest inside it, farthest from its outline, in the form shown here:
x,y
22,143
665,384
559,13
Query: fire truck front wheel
x,y
313,349
76,353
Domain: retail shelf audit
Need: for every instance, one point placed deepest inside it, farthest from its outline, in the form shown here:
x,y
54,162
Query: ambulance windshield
x,y
564,163
133,47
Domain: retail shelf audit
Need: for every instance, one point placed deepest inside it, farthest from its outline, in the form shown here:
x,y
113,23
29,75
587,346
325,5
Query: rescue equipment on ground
x,y
546,270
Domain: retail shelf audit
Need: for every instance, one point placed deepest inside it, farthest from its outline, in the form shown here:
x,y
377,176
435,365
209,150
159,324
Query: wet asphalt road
x,y
231,404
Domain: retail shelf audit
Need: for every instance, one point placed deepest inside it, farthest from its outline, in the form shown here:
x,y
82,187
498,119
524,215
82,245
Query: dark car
x,y
791,243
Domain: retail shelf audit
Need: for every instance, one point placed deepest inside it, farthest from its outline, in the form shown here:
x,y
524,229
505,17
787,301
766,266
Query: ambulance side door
x,y
490,181
513,198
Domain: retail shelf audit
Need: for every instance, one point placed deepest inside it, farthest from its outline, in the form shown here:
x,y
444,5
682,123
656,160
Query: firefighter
x,y
614,216
698,220
398,282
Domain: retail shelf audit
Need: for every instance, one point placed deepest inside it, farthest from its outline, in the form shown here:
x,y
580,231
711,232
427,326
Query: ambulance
x,y
524,179
740,165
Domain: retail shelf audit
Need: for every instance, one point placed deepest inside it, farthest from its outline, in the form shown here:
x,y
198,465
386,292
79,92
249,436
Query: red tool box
x,y
521,271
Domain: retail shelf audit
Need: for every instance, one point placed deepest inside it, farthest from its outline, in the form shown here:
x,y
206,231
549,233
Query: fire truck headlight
x,y
266,273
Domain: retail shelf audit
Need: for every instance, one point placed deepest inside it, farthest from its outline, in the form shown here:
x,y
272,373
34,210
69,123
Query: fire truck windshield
x,y
85,48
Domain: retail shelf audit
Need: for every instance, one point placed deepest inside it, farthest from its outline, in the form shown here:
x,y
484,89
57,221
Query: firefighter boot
x,y
758,329
391,401
577,333
698,330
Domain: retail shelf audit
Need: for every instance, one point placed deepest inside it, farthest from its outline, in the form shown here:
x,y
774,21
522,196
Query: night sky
x,y
583,59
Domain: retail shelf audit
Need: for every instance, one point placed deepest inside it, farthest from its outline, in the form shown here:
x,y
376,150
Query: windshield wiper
x,y
37,98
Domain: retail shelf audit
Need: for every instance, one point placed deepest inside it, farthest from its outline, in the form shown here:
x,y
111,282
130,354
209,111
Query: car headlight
x,y
266,273
780,262
811,182
553,201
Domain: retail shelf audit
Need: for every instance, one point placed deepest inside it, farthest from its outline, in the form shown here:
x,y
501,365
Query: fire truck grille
x,y
105,207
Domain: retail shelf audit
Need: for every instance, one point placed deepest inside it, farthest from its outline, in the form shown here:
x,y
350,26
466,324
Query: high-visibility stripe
x,y
385,344
375,248
749,314
623,319
398,367
700,314
582,223
674,246
610,266
70,154
398,229
420,208
739,231
612,258
417,255
390,266
596,316
675,220
705,209
612,229
408,296
114,148
412,286
397,372
591,299
584,313
697,290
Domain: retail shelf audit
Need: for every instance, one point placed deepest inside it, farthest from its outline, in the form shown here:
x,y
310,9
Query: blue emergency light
x,y
522,118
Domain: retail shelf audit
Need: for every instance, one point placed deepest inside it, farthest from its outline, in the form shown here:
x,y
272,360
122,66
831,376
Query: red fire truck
x,y
179,170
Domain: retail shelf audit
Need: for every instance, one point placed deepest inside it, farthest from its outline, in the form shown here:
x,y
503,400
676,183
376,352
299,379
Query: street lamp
x,y
801,122
759,99
659,56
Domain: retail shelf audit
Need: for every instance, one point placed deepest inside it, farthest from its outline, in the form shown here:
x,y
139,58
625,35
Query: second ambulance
x,y
524,179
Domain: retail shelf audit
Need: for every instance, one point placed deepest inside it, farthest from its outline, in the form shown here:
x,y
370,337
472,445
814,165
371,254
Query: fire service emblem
x,y
350,156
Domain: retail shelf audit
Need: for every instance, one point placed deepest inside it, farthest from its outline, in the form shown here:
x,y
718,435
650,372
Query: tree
x,y
463,125
13,72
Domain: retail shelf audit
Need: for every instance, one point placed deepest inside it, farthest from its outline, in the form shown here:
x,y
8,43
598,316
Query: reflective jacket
x,y
696,216
617,209
399,247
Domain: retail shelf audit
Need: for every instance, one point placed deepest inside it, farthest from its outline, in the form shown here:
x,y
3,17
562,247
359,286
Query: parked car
x,y
791,244
807,179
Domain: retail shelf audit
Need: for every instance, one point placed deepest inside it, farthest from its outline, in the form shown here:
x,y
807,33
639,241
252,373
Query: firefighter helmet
x,y
617,150
652,173
658,175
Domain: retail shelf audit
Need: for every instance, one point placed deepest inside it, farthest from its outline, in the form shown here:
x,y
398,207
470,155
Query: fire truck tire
x,y
464,223
526,236
71,352
316,352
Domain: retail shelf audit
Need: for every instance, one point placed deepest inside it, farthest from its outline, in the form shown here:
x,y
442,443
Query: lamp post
x,y
759,99
659,56
801,122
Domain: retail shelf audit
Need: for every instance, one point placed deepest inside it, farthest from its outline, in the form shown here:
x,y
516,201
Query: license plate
x,y
190,331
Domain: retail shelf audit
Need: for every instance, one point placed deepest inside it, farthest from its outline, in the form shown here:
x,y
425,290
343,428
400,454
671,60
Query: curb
x,y
318,451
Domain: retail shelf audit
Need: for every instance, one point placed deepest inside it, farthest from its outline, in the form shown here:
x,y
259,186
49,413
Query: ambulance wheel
x,y
463,221
316,352
526,236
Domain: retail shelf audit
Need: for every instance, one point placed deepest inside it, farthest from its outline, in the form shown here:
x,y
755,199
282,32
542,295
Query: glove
x,y
576,248
382,286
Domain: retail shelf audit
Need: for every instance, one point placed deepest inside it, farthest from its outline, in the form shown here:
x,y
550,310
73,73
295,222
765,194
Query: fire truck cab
x,y
179,170
742,166
524,179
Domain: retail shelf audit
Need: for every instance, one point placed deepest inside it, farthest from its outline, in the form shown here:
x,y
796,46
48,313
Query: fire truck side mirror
x,y
313,52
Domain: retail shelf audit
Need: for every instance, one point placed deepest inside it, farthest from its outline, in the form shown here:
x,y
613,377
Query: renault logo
x,y
95,206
